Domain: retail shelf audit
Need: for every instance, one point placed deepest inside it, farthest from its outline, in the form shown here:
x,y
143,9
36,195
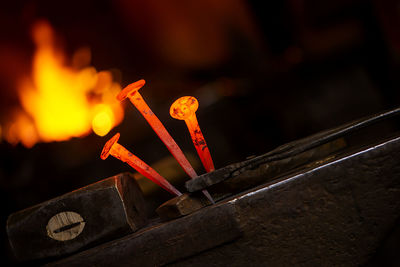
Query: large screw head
x,y
130,89
107,147
184,107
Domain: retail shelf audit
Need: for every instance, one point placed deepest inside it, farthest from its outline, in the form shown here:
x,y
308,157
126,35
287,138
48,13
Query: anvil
x,y
330,211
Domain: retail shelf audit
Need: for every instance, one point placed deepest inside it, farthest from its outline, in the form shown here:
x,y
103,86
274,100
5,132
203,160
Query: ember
x,y
61,101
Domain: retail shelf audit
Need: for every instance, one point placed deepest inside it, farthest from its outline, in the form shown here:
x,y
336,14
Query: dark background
x,y
265,73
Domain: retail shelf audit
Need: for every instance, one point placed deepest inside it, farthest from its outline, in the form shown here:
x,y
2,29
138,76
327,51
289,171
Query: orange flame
x,y
60,101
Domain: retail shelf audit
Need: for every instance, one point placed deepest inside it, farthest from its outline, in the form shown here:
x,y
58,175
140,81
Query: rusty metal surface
x,y
334,212
90,215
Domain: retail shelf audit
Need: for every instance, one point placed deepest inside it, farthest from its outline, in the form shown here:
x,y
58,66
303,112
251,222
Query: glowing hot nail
x,y
185,108
132,92
121,153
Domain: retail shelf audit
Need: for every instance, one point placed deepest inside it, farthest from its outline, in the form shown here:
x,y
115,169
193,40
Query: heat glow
x,y
61,100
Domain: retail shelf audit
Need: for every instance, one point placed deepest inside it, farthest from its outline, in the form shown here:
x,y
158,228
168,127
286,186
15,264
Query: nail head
x,y
107,147
184,107
130,89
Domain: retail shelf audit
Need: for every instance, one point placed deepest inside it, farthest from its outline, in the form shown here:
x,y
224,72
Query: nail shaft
x,y
131,91
138,101
185,109
121,153
200,143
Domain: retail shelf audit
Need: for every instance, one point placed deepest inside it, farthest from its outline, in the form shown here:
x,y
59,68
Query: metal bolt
x,y
132,92
121,153
185,109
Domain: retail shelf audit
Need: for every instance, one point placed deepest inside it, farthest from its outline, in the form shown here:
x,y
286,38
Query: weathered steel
x,y
165,243
181,206
190,202
332,212
336,214
90,215
287,151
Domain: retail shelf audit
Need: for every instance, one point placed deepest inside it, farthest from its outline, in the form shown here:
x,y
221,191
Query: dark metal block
x,y
101,211
287,156
165,243
181,205
223,187
333,213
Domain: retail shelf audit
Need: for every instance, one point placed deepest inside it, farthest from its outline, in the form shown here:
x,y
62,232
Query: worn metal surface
x,y
287,151
330,213
335,214
181,205
166,242
96,213
223,188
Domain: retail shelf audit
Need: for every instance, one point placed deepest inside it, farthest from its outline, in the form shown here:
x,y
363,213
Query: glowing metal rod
x,y
121,153
132,92
185,109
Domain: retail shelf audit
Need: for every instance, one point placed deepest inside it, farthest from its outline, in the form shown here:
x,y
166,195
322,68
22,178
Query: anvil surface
x,y
334,212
